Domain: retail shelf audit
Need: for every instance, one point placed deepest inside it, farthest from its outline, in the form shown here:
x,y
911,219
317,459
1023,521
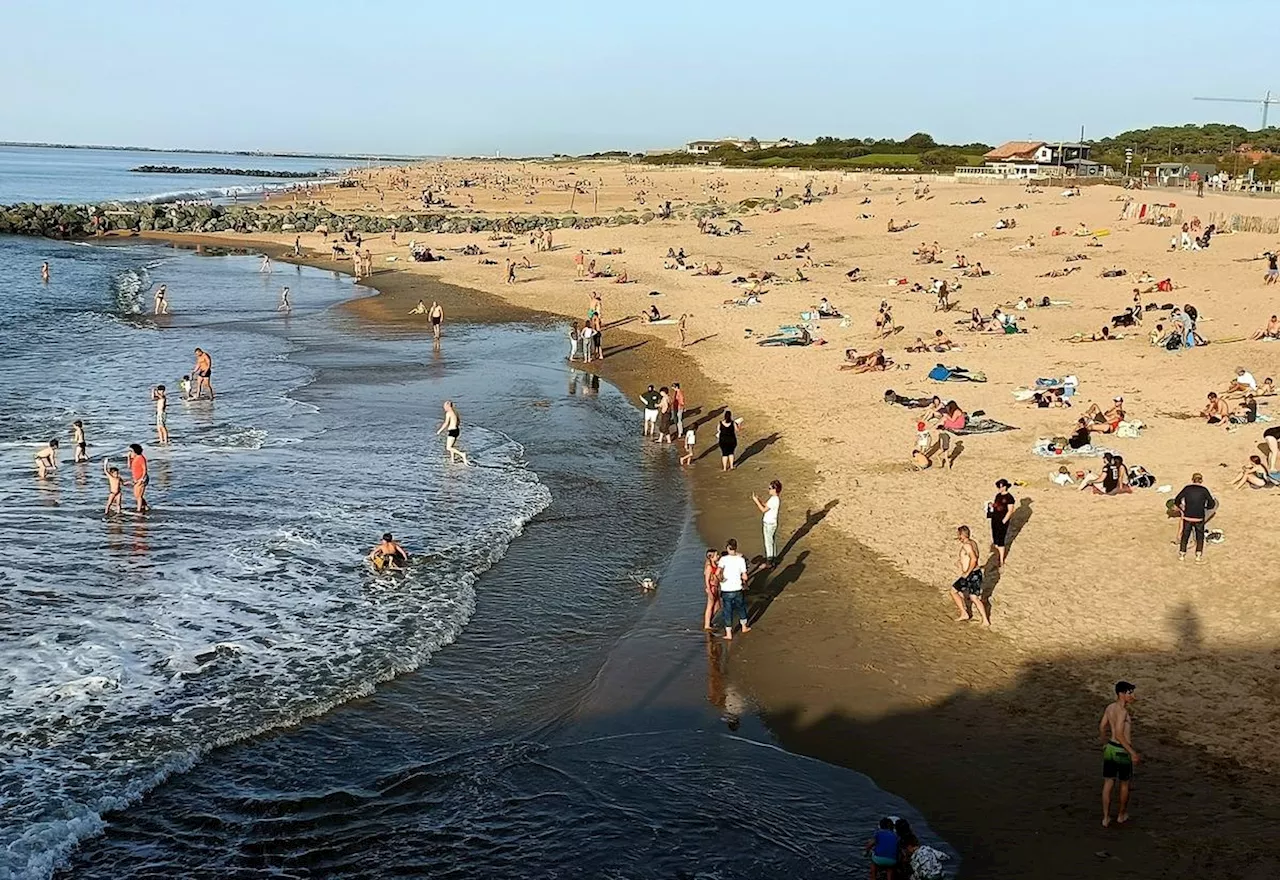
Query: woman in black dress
x,y
1000,511
727,435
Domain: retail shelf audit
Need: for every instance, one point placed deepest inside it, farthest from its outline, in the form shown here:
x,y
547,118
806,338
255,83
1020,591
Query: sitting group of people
x,y
872,362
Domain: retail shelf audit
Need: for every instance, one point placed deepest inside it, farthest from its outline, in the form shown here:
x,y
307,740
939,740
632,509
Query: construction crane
x,y
1266,103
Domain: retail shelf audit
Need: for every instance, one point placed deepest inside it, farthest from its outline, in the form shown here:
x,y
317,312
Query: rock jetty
x,y
235,172
86,221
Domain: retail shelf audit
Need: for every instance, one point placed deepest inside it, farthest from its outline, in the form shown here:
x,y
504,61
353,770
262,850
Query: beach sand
x,y
856,658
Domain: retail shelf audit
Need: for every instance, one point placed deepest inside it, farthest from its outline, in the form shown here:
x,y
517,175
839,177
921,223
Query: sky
x,y
534,77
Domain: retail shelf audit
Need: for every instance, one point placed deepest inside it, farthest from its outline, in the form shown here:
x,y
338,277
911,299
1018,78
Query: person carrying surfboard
x,y
388,555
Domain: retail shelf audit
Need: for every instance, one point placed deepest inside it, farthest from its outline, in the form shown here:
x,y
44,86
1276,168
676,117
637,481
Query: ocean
x,y
82,175
224,689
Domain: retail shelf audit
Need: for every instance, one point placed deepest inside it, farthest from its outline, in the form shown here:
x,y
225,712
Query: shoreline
x,y
891,676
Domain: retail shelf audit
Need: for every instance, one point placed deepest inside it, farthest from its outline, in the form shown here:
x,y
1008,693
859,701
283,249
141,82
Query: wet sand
x,y
856,662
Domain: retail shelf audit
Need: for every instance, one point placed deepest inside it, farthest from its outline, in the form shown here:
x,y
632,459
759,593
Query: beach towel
x,y
1045,448
984,426
942,373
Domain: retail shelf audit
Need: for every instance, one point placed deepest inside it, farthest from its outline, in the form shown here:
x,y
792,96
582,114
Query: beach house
x,y
1025,160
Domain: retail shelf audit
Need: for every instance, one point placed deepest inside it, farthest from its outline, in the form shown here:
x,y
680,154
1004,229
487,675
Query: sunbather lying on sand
x,y
866,363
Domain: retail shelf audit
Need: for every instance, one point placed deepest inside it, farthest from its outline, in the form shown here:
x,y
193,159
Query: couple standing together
x,y
725,573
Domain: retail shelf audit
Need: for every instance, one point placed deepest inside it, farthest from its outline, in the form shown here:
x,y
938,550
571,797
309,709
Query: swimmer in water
x,y
77,437
162,301
115,488
47,459
285,306
44,271
387,554
453,425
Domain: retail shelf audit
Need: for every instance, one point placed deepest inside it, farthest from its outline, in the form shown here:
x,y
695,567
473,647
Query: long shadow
x,y
757,446
701,339
711,416
950,756
763,588
621,349
811,519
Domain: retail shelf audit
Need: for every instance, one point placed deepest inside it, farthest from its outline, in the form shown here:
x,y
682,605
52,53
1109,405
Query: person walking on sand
x,y
44,271
683,328
1118,754
162,413
727,438
437,318
452,424
969,585
1000,511
161,300
1193,504
297,245
203,373
770,509
511,272
711,586
141,476
677,404
732,569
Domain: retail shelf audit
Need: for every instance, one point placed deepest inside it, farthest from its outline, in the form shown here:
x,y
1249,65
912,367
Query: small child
x,y
47,458
883,849
114,487
690,440
926,862
77,436
162,413
185,387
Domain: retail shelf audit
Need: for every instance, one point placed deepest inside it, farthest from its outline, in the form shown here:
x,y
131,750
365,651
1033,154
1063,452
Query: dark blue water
x,y
52,174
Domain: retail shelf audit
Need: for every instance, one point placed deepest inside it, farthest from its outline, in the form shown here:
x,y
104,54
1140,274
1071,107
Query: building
x,y
700,148
1039,152
1028,160
1176,173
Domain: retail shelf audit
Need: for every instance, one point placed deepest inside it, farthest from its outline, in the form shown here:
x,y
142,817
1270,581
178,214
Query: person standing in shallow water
x,y
711,586
452,424
1118,754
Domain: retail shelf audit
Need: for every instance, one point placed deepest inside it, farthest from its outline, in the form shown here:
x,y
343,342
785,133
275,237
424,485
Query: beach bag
x,y
1139,477
1128,429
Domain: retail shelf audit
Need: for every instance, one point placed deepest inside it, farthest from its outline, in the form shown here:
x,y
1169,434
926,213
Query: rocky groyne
x,y
236,172
86,221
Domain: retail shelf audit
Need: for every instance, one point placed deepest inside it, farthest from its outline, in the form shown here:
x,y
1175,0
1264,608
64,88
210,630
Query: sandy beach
x,y
856,657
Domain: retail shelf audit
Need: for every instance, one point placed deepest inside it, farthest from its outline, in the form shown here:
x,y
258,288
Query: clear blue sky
x,y
541,76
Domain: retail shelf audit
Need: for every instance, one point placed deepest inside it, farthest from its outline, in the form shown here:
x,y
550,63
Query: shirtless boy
x,y
77,437
115,488
47,459
453,425
1118,755
969,584
388,555
162,413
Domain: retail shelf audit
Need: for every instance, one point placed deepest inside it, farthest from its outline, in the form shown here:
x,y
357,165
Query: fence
x,y
1245,222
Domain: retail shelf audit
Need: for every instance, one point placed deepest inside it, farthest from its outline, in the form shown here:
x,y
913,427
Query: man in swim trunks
x,y
141,476
437,318
387,554
77,435
453,425
1118,754
203,373
969,584
47,459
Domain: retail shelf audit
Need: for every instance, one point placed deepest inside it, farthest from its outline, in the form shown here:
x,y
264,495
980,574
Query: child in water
x,y
185,387
690,439
883,849
114,487
47,459
162,413
77,436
